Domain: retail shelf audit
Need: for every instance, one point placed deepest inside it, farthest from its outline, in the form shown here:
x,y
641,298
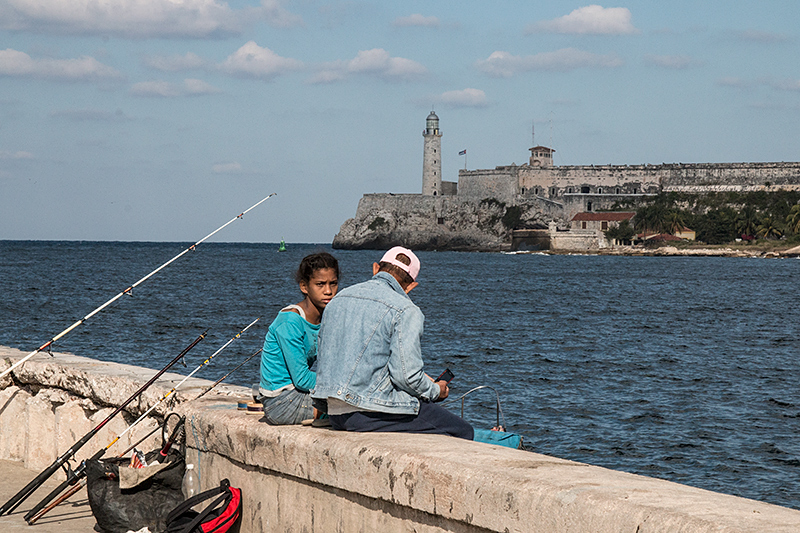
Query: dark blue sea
x,y
681,368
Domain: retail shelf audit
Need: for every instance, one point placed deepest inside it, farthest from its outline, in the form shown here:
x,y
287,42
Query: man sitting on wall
x,y
369,362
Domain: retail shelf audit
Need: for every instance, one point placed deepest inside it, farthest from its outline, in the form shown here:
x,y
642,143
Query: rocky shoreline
x,y
699,252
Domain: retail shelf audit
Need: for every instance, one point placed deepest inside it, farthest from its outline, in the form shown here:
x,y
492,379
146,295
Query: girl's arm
x,y
290,337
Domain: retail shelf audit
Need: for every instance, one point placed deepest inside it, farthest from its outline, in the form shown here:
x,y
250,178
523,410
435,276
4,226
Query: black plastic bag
x,y
148,504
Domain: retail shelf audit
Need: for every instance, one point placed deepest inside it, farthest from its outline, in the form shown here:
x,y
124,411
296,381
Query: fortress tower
x,y
432,157
541,156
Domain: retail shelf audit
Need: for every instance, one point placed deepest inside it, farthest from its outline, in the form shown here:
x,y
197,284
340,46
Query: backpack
x,y
120,510
220,516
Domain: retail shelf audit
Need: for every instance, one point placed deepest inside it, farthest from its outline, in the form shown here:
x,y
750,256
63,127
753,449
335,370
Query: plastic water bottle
x,y
189,485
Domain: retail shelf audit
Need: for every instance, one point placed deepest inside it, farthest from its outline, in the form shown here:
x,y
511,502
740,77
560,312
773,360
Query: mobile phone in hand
x,y
446,376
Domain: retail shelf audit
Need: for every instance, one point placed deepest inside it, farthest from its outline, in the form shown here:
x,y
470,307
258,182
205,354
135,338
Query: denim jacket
x,y
368,353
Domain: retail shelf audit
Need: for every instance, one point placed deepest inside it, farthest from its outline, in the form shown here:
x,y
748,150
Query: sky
x,y
160,120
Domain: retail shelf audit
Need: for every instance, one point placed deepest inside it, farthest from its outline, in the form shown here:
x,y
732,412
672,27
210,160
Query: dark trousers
x,y
431,418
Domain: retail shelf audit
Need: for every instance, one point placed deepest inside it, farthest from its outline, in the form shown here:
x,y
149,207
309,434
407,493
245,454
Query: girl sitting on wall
x,y
290,347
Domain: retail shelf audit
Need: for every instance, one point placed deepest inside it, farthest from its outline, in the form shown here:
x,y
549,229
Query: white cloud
x,y
140,18
194,87
792,85
226,168
787,85
416,20
464,98
376,62
255,62
763,37
504,65
90,115
175,63
5,155
19,64
589,20
731,81
165,89
277,16
128,18
677,62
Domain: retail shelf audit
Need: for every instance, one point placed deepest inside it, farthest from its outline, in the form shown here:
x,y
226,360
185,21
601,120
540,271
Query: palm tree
x,y
651,218
747,221
769,229
641,220
675,223
793,219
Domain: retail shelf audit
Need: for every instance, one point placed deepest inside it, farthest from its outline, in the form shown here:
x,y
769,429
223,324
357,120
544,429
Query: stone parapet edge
x,y
469,485
481,485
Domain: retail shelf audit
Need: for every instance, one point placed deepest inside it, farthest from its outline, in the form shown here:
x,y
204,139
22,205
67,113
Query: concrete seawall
x,y
303,479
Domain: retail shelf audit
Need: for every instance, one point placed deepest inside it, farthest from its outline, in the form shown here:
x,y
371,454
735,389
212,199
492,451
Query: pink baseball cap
x,y
391,257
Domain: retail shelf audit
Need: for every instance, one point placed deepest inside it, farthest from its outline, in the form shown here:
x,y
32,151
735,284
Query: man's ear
x,y
411,286
375,268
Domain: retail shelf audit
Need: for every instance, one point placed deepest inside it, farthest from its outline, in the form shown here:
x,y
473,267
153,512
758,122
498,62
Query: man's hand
x,y
444,390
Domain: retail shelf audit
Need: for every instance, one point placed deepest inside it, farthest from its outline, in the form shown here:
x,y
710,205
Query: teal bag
x,y
501,438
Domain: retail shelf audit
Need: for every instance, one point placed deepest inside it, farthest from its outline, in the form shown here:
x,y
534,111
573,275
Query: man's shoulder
x,y
375,289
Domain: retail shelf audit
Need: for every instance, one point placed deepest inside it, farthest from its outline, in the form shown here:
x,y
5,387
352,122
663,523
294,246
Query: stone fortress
x,y
498,209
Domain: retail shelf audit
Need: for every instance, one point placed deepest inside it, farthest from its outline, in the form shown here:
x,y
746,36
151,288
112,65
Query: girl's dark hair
x,y
314,262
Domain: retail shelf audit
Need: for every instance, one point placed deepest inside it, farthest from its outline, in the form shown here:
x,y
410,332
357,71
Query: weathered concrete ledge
x,y
54,401
309,479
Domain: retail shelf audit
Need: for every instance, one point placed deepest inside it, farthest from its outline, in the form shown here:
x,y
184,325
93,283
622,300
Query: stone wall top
x,y
106,383
488,487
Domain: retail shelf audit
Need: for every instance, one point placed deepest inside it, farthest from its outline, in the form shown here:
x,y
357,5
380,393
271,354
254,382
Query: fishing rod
x,y
176,435
128,291
82,483
74,476
220,380
37,482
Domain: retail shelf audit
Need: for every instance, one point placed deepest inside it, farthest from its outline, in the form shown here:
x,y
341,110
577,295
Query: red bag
x,y
220,516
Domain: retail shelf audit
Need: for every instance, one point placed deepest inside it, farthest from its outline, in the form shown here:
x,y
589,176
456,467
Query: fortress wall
x,y
500,184
699,178
296,478
579,203
610,179
372,205
449,188
577,240
732,177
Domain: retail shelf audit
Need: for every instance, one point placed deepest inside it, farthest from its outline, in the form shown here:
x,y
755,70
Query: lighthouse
x,y
432,157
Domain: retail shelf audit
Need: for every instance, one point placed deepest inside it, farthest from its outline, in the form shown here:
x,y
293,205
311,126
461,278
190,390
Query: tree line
x,y
716,218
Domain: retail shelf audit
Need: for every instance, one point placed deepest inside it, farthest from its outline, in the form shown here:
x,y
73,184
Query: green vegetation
x,y
377,223
720,218
512,216
623,232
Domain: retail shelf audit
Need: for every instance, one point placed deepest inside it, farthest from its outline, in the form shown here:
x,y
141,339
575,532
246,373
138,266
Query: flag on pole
x,y
462,152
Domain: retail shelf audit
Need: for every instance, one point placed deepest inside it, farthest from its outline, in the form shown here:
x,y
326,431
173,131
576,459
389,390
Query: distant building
x,y
565,207
686,233
600,221
541,156
432,157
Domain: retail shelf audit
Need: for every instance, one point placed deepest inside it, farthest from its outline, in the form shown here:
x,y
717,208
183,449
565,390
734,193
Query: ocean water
x,y
680,368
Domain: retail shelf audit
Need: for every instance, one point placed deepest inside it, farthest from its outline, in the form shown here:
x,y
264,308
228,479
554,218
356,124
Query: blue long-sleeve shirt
x,y
290,349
